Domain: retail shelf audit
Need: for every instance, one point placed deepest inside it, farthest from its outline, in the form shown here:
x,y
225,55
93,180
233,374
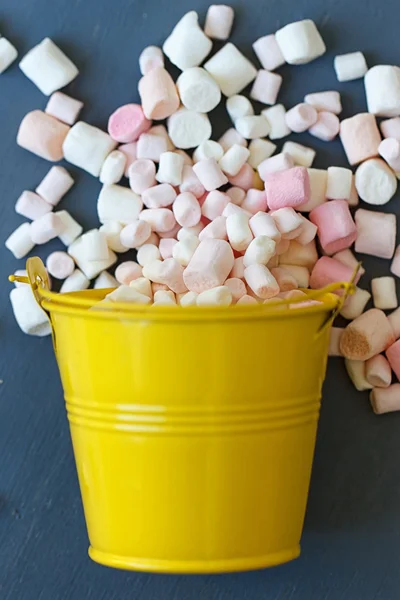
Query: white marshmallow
x,y
230,137
188,299
124,293
219,21
239,232
231,70
187,45
237,195
350,66
262,224
112,232
87,147
150,146
389,149
375,182
318,182
135,234
208,149
30,317
81,250
70,228
339,183
218,296
170,168
46,228
161,130
288,222
260,150
59,265
185,232
355,304
183,251
384,292
238,106
143,286
20,241
8,53
260,251
261,281
252,127
325,101
55,185
94,244
164,298
301,274
302,155
150,58
279,162
356,371
77,282
147,254
382,88
300,42
117,203
276,117
268,52
113,168
48,67
31,205
301,117
234,159
105,281
188,129
198,91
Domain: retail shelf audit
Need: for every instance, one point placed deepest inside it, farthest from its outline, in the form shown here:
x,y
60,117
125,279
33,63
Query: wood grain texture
x,y
351,543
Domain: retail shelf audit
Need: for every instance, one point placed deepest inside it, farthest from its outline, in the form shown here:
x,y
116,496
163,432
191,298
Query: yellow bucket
x,y
193,429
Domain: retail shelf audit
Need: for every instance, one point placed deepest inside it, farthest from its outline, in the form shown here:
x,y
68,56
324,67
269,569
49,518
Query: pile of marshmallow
x,y
231,222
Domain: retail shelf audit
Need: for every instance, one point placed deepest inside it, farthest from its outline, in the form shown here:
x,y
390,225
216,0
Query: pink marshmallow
x,y
161,220
301,117
376,233
384,400
287,188
237,288
60,265
64,108
326,127
378,372
151,146
287,221
297,254
128,271
159,196
368,335
279,162
32,206
266,87
186,209
390,128
209,174
214,204
237,195
190,182
158,94
135,234
129,150
55,185
261,281
325,101
244,179
46,228
219,21
127,123
170,233
336,228
328,270
210,265
42,135
168,272
389,149
393,356
263,224
246,300
166,247
142,175
360,137
255,201
215,230
268,52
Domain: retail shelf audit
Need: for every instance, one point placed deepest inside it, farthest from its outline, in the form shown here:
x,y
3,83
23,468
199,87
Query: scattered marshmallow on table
x,y
259,151
268,52
8,54
350,66
375,182
208,149
261,281
159,196
77,282
46,228
328,101
150,146
390,128
55,185
142,175
360,137
70,228
338,183
42,135
384,400
135,234
366,336
347,258
214,204
302,156
328,270
266,87
252,127
300,42
105,281
334,341
187,45
150,58
20,242
127,123
64,108
188,129
198,91
376,233
31,205
239,106
276,117
356,371
378,371
87,147
170,168
30,317
129,151
113,168
231,70
60,265
161,220
318,179
118,203
158,94
393,356
210,174
384,293
394,319
219,21
191,183
48,67
326,127
382,89
301,117
389,149
355,304
287,188
279,162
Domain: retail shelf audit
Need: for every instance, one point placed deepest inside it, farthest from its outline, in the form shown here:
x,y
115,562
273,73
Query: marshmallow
x,y
113,168
382,89
238,268
169,273
219,296
261,281
125,293
238,106
161,220
395,266
31,206
231,137
339,183
285,280
129,151
135,234
347,258
393,356
268,52
187,46
164,298
64,108
216,230
389,149
150,58
260,150
20,241
328,270
378,371
239,232
159,196
262,224
384,292
300,42
376,233
325,101
198,91
105,281
210,265
252,127
233,159
77,282
287,188
48,67
301,155
186,209
244,179
334,341
233,209
355,304
266,87
188,299
30,317
279,162
70,228
170,168
214,204
183,251
276,117
366,336
161,130
353,199
187,159
46,228
246,300
288,222
301,117
208,149
150,146
260,251
127,272
385,400
299,255
394,319
210,174
282,247
375,182
306,232
143,286
55,185
158,94
219,21
300,274
112,233
255,201
42,135
237,288
356,371
93,245
191,183
189,231
60,265
142,175
391,128
148,253
231,70
360,137
188,129
166,247
118,203
127,123
350,66
8,53
326,127
87,147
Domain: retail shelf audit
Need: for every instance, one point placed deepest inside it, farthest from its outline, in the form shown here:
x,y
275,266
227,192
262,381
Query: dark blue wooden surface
x,y
351,543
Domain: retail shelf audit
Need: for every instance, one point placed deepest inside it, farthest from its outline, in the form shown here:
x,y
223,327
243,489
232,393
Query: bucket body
x,y
193,430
